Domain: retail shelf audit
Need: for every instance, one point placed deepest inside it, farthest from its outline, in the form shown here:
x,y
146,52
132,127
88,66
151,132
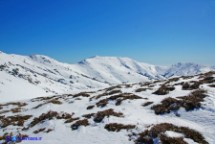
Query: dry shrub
x,y
90,107
140,89
4,111
190,86
208,80
187,77
55,101
125,96
147,103
19,104
79,123
114,92
102,103
116,127
42,130
51,115
39,130
191,102
213,85
158,131
171,140
70,120
17,120
45,116
112,88
167,105
99,116
81,94
88,116
118,98
164,89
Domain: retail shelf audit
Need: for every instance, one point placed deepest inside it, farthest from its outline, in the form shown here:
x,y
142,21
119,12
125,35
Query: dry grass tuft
x,y
17,120
140,89
79,123
90,107
158,131
191,102
147,104
115,127
164,89
99,116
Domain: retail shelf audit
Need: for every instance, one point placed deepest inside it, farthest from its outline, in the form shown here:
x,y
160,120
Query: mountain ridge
x,y
51,76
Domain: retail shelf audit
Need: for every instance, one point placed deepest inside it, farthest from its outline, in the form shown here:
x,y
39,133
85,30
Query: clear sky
x,y
153,31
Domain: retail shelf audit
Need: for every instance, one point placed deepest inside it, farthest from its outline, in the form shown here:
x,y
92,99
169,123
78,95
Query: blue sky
x,y
154,31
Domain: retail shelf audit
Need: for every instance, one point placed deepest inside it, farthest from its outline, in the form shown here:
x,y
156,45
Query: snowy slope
x,y
38,75
60,119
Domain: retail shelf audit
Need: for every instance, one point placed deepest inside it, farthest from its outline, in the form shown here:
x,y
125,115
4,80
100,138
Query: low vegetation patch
x,y
79,123
191,102
190,86
140,89
164,89
116,127
118,98
99,116
158,131
213,85
102,103
17,120
88,116
81,94
52,101
49,116
90,107
147,103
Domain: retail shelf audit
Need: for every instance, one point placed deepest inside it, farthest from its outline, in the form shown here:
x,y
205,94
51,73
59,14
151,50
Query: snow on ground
x,y
201,119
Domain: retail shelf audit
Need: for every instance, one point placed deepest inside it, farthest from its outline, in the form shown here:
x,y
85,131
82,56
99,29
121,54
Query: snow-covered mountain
x,y
38,75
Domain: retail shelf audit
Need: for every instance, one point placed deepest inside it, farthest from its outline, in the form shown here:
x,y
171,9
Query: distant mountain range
x,y
37,75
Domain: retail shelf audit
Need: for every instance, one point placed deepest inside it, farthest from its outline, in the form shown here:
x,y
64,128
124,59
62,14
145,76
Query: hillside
x,y
178,110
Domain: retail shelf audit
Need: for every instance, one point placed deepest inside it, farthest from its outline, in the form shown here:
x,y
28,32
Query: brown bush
x,y
99,116
115,127
190,86
45,116
90,107
39,130
171,140
88,115
55,101
70,120
140,89
79,123
157,131
164,89
147,103
112,88
213,85
208,80
81,94
167,105
114,92
17,120
102,103
191,102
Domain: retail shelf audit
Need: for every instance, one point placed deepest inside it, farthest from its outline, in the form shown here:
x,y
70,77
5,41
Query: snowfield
x,y
178,110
